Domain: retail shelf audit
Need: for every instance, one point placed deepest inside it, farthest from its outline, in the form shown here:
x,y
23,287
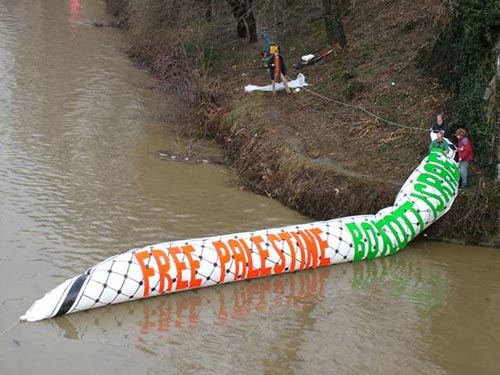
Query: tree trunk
x,y
245,20
333,24
251,24
208,10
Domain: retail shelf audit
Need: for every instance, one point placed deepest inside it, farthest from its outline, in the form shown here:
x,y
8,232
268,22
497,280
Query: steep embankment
x,y
315,155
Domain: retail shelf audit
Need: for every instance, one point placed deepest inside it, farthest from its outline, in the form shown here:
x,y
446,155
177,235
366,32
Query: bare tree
x,y
333,24
209,11
246,26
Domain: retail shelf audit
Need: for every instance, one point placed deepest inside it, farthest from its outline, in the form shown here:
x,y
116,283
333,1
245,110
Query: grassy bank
x,y
319,157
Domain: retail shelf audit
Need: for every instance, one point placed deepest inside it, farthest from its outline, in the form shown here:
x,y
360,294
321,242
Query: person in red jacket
x,y
465,155
277,70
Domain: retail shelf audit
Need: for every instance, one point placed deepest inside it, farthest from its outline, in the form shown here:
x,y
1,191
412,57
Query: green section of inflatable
x,y
435,187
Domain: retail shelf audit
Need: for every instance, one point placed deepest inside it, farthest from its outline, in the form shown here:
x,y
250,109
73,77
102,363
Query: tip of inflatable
x,y
36,312
47,306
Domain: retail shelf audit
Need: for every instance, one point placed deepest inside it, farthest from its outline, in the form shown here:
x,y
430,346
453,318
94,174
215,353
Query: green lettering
x,y
444,174
390,222
435,182
401,213
388,245
371,235
438,158
357,239
373,238
424,199
420,188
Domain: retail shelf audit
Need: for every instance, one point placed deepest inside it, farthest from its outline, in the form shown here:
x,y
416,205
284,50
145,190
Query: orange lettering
x,y
239,259
224,258
279,267
147,272
302,250
163,264
181,284
312,250
252,272
257,240
194,265
323,245
287,237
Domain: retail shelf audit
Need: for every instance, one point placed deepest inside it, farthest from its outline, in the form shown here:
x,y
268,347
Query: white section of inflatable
x,y
300,81
174,266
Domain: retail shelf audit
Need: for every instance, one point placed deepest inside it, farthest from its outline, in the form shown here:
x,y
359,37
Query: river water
x,y
81,180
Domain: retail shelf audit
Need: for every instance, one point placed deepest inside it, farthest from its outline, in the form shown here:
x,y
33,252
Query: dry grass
x,y
324,159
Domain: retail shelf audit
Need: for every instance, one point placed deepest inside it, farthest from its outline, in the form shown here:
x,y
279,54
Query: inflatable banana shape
x,y
180,265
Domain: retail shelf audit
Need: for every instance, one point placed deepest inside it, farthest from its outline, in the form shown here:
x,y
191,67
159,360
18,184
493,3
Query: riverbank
x,y
319,157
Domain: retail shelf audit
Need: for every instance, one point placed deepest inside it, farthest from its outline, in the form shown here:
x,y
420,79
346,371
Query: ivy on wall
x,y
463,60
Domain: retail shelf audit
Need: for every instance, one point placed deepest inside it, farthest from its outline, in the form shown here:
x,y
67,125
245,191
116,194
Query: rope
x,y
362,109
9,328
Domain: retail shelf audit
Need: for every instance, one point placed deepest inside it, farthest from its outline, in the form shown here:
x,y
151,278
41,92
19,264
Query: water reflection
x,y
397,277
288,319
74,8
74,14
273,313
464,330
412,308
400,278
216,306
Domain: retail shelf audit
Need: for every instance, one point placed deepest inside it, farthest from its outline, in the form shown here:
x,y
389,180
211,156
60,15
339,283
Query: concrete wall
x,y
492,96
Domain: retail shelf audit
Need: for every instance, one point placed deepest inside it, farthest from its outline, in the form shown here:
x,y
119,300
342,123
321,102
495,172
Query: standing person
x,y
465,155
440,126
440,143
277,70
266,51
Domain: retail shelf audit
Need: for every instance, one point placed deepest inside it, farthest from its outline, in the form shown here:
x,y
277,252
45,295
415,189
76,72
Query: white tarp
x,y
300,81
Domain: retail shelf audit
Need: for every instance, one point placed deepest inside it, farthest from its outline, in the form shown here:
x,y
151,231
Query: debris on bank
x,y
167,155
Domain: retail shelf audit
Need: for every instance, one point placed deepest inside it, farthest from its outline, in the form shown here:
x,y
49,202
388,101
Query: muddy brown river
x,y
81,179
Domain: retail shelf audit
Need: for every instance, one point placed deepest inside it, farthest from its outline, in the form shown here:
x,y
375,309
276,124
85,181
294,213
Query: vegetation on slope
x,y
320,157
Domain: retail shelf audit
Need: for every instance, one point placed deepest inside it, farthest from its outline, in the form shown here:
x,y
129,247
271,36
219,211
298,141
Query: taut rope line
x,y
362,109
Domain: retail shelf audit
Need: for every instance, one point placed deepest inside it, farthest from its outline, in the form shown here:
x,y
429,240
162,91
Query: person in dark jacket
x,y
440,126
277,70
465,155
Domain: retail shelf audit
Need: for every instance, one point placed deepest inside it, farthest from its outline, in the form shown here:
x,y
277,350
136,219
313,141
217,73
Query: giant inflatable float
x,y
181,265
